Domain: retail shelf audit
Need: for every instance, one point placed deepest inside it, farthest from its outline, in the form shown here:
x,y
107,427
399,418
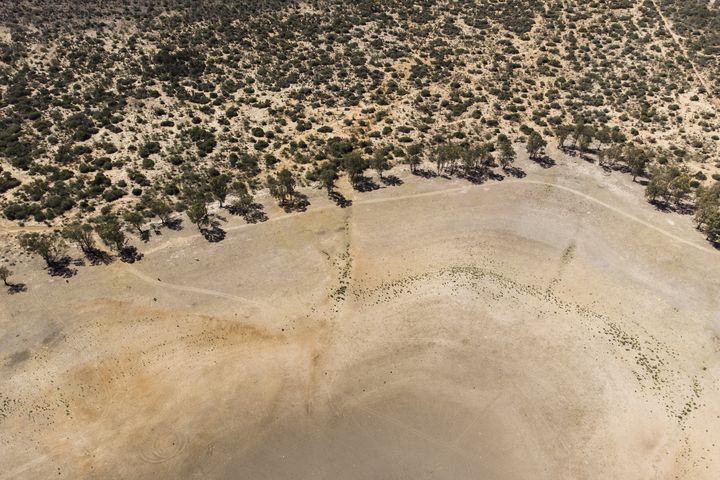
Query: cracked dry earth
x,y
554,328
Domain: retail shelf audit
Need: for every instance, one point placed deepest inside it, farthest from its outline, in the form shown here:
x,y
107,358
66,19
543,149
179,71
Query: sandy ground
x,y
553,327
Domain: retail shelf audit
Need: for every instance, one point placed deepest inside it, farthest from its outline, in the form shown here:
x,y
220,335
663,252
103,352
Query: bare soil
x,y
553,327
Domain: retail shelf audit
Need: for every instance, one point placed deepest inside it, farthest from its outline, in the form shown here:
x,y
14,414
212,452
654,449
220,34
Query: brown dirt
x,y
551,327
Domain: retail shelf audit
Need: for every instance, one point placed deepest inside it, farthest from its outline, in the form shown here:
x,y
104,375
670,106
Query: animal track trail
x,y
566,259
343,266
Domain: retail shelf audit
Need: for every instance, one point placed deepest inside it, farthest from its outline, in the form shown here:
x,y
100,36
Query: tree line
x,y
668,185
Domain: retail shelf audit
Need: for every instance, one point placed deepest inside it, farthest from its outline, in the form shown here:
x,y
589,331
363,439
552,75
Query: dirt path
x,y
560,187
9,227
184,288
624,214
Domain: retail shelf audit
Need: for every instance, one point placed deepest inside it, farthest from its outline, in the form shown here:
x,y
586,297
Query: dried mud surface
x,y
551,327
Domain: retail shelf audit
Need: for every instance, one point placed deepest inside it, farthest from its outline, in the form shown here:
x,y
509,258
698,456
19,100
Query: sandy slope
x,y
552,327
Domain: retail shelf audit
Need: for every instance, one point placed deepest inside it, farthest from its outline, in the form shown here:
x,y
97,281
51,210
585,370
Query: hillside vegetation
x,y
142,108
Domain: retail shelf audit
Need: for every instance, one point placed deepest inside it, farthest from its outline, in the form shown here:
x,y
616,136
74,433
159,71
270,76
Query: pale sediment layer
x,y
551,327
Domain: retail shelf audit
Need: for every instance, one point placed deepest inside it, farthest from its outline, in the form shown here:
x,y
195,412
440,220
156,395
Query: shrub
x,y
8,182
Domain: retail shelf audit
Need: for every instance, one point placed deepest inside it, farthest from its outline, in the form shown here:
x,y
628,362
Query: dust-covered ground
x,y
554,326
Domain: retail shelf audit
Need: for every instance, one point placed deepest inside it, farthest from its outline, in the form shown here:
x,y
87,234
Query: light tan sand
x,y
553,327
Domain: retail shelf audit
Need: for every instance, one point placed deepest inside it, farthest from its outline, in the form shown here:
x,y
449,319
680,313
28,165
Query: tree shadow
x,y
213,233
15,288
130,254
237,210
252,213
516,172
496,176
299,202
61,267
620,167
391,180
661,205
421,172
174,224
683,208
339,199
365,184
575,150
479,175
476,176
255,214
544,161
98,257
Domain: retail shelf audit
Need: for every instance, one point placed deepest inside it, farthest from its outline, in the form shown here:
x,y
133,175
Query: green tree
x,y
414,152
680,187
243,198
507,152
50,246
161,208
470,158
446,157
110,230
80,234
413,161
354,164
562,132
636,159
5,273
327,177
219,187
282,186
485,152
274,187
666,182
582,135
287,183
658,186
197,212
612,155
379,162
604,136
712,227
707,205
439,159
135,220
535,145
